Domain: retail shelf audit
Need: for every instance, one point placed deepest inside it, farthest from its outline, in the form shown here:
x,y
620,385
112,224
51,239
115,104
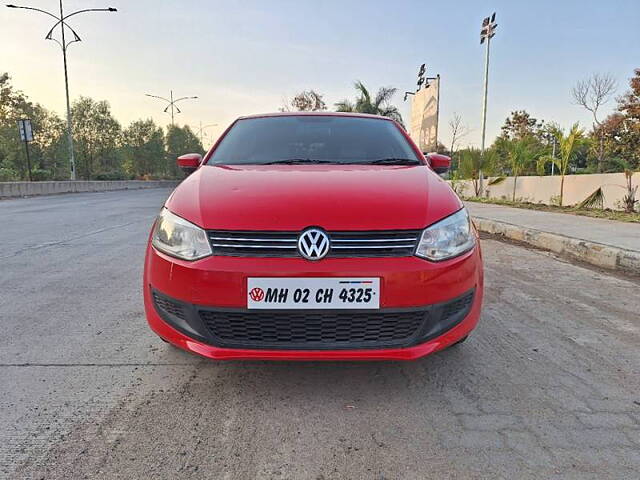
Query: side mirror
x,y
189,162
439,163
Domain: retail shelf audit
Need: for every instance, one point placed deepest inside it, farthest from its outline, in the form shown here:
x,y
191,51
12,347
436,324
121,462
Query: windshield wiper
x,y
295,161
394,161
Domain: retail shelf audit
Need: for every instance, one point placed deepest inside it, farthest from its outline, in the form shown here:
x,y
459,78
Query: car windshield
x,y
313,139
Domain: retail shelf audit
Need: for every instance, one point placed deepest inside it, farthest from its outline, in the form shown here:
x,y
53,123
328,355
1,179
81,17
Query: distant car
x,y
318,236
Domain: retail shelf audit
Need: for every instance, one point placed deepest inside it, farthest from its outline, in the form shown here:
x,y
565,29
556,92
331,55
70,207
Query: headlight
x,y
177,237
447,238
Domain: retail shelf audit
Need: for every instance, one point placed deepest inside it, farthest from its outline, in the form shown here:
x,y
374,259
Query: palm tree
x,y
376,106
520,154
568,146
629,200
472,161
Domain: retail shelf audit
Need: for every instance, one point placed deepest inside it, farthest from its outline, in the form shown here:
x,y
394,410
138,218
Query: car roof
x,y
318,114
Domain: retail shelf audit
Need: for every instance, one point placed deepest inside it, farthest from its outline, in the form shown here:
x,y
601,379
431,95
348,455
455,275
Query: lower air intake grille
x,y
309,330
167,305
456,306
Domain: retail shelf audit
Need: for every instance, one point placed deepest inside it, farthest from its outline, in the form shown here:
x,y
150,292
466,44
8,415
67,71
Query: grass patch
x,y
585,212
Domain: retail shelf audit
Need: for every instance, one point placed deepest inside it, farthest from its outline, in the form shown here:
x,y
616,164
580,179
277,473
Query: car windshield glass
x,y
313,139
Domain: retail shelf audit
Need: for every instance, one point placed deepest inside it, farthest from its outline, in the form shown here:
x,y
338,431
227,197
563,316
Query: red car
x,y
318,236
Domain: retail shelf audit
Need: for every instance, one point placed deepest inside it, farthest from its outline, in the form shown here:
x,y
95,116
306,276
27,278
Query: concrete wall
x,y
543,189
21,189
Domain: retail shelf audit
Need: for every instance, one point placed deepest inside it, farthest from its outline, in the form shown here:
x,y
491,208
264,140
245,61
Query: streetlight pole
x,y
66,89
61,20
201,129
487,32
171,103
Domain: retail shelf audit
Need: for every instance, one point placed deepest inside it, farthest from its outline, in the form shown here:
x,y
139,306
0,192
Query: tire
x,y
462,340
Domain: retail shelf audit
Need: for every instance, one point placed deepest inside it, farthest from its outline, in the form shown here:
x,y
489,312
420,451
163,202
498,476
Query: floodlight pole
x,y
484,111
61,20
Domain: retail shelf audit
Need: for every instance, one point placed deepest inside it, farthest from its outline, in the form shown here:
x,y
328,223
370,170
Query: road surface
x,y
548,386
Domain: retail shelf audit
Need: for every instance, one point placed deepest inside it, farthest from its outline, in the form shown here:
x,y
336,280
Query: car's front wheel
x,y
463,339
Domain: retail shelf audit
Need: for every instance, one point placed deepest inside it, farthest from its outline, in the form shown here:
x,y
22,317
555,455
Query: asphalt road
x,y
548,386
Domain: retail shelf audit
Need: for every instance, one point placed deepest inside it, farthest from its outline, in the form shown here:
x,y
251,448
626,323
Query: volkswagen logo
x,y
313,244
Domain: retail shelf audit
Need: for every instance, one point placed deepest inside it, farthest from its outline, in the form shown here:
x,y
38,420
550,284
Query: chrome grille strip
x,y
392,243
224,245
339,240
240,239
371,246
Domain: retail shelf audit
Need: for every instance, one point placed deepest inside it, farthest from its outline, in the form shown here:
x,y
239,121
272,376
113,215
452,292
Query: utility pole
x,y
171,103
61,20
487,32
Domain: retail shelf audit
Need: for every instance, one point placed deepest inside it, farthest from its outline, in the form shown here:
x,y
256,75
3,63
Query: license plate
x,y
313,293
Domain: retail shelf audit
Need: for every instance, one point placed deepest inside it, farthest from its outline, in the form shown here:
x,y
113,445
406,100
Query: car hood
x,y
293,197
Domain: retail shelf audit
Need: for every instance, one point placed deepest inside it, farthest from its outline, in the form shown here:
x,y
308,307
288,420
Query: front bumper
x,y
218,284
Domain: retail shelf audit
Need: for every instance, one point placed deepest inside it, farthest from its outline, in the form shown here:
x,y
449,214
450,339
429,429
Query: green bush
x,y
39,175
112,176
8,175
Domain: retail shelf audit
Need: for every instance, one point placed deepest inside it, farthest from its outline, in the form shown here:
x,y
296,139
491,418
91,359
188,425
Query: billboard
x,y
424,116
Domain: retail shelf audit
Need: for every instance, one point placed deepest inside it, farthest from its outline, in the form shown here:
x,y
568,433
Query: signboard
x,y
26,132
424,116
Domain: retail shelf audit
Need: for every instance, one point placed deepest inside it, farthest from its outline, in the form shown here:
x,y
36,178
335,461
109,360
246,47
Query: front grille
x,y
312,329
386,243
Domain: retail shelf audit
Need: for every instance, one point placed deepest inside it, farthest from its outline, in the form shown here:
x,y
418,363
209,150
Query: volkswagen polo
x,y
318,236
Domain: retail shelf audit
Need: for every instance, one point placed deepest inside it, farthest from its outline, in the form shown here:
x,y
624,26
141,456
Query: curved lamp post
x,y
201,130
171,103
64,44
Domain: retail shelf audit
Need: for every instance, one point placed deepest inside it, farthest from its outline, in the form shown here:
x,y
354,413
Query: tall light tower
x,y
171,103
487,32
64,44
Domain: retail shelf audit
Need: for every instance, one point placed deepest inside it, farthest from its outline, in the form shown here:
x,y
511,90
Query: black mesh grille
x,y
457,306
313,329
169,306
386,243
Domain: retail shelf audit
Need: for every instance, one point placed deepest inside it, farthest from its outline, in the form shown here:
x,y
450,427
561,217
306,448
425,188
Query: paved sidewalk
x,y
607,232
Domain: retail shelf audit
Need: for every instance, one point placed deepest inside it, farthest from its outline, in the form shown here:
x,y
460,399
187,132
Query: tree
x,y
47,158
520,124
591,94
97,135
567,148
365,103
305,101
458,131
621,130
520,154
472,161
143,146
629,200
179,140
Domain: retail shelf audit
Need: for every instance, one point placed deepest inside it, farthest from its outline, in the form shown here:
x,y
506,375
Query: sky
x,y
246,57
